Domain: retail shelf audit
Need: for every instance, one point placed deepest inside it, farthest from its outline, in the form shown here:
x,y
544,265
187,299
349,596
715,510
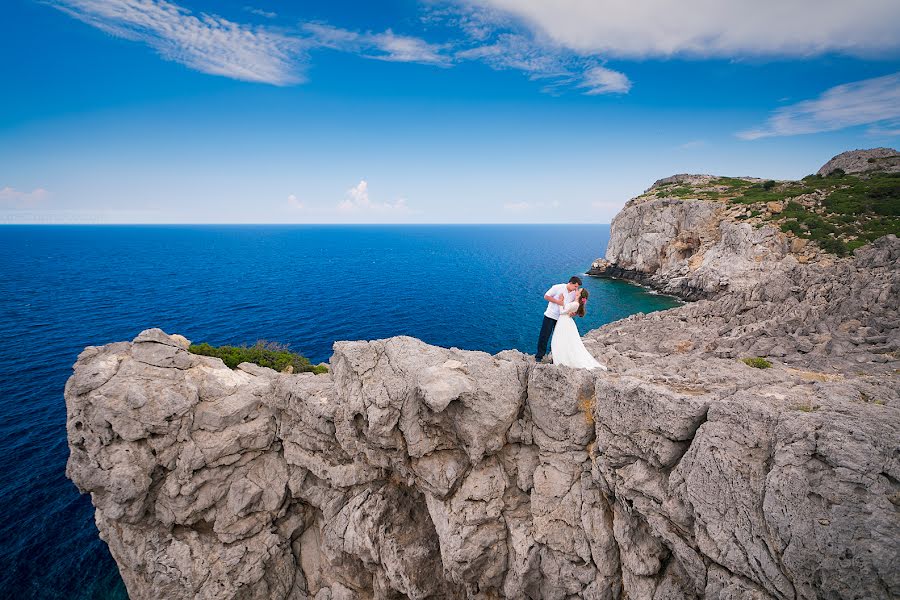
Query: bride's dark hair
x,y
582,299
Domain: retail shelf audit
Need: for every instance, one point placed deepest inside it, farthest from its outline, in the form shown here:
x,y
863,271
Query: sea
x,y
64,287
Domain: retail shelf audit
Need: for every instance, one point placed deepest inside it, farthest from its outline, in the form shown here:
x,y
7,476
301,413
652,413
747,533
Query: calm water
x,y
65,287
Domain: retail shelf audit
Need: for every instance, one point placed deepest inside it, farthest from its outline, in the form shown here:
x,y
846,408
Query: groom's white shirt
x,y
552,308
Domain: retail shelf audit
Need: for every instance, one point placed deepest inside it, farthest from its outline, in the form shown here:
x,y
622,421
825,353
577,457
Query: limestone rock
x,y
860,161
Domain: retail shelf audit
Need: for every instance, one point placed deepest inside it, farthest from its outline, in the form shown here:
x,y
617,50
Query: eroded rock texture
x,y
412,471
691,249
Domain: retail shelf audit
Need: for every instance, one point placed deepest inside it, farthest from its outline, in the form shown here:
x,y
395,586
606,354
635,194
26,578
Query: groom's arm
x,y
550,298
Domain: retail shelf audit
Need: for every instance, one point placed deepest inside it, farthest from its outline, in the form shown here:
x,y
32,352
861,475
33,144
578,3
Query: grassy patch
x,y
854,211
757,362
878,194
263,353
731,183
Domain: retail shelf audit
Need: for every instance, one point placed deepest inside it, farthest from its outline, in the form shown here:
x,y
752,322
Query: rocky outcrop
x,y
689,249
422,472
862,161
697,236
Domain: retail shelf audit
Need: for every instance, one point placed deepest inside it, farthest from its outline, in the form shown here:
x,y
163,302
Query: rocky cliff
x,y
422,472
696,236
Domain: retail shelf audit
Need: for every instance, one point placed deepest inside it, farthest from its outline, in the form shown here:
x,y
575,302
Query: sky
x,y
428,111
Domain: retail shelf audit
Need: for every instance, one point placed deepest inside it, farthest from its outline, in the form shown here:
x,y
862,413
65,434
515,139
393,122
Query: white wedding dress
x,y
566,346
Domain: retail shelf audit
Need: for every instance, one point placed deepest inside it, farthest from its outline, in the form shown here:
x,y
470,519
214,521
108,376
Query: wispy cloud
x,y
600,80
206,43
260,12
12,197
387,46
295,203
214,45
692,145
401,48
518,52
888,128
721,28
874,102
357,201
497,40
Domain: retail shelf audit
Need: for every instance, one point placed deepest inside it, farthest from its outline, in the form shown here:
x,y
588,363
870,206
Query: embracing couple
x,y
565,300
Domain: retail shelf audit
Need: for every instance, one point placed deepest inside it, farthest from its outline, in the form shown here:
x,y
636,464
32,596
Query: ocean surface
x,y
66,287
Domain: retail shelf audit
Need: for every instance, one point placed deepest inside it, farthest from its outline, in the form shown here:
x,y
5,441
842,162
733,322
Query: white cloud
x,y
721,28
260,12
206,43
357,201
13,197
600,80
387,46
692,144
401,48
295,203
873,102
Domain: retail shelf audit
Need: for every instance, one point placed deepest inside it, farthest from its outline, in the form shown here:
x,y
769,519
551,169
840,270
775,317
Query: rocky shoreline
x,y
412,471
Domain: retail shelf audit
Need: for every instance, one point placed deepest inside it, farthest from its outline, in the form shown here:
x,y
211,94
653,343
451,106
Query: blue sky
x,y
479,111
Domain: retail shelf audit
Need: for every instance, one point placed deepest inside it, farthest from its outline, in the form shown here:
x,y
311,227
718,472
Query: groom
x,y
569,290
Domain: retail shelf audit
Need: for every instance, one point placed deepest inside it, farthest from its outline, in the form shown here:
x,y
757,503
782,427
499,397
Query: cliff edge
x,y
412,471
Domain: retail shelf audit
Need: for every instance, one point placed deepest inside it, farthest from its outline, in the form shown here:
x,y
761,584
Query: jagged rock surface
x,y
422,472
686,248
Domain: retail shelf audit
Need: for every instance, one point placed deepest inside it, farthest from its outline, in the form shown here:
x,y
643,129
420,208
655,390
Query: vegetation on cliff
x,y
839,212
264,353
757,362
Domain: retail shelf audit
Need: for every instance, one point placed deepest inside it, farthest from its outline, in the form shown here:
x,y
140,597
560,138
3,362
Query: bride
x,y
566,346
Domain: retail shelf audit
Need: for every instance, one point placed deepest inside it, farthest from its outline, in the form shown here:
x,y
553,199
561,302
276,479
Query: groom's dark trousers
x,y
546,331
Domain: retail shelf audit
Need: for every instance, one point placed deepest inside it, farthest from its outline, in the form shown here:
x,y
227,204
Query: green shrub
x,y
768,185
677,191
263,353
731,182
833,245
879,194
756,362
854,244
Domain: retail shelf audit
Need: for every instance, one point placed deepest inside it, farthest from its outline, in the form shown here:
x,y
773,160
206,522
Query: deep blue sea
x,y
66,287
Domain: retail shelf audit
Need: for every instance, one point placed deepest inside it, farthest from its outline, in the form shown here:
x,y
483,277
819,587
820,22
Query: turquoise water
x,y
65,287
